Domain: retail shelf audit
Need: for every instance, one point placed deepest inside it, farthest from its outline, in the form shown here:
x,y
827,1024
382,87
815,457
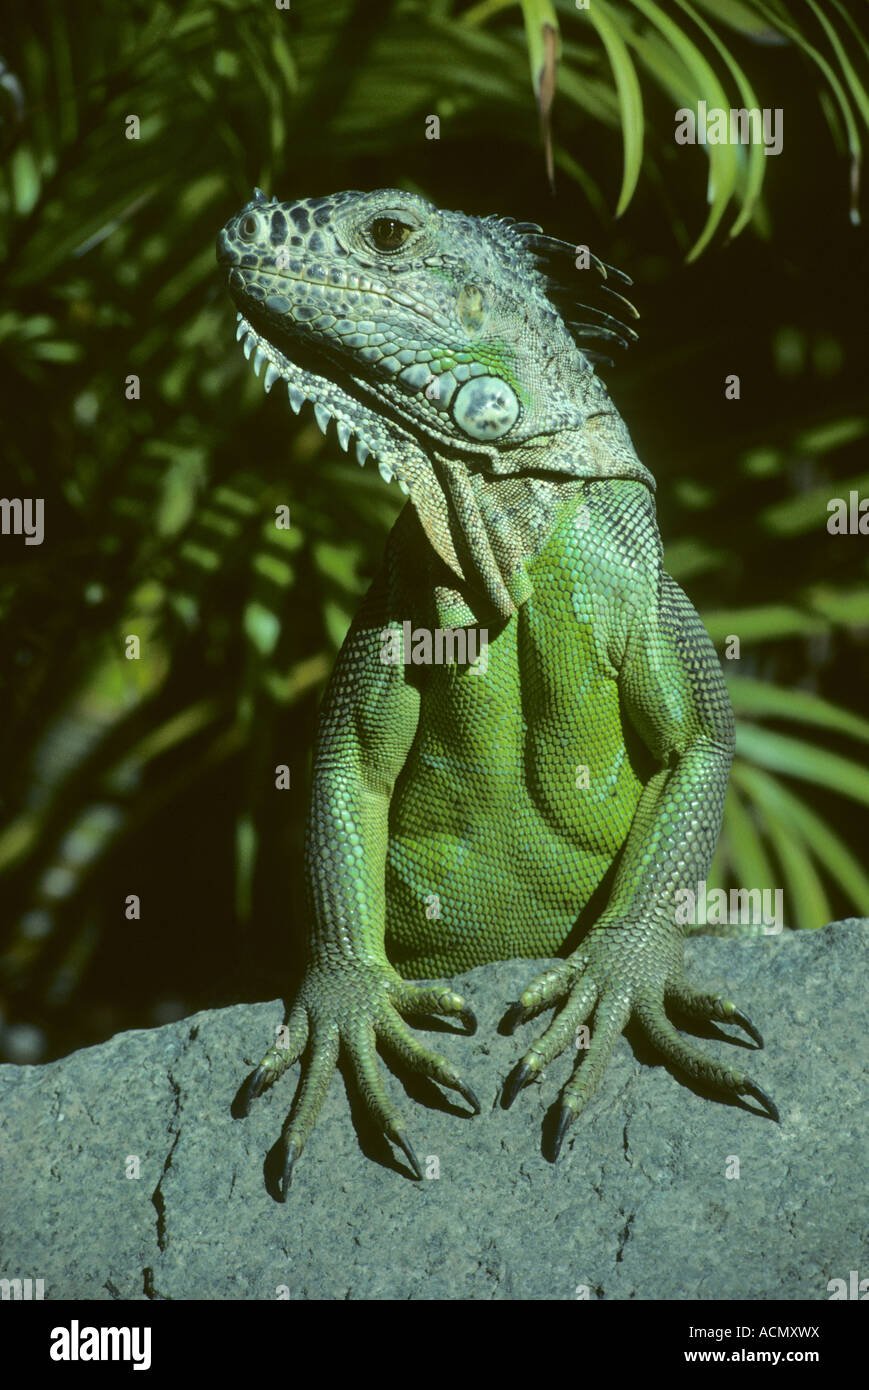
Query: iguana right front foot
x,y
354,1007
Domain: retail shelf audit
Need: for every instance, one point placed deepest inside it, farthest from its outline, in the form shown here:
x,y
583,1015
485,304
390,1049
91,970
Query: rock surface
x,y
123,1173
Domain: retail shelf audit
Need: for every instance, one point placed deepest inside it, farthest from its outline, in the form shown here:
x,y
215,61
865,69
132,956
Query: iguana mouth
x,y
328,398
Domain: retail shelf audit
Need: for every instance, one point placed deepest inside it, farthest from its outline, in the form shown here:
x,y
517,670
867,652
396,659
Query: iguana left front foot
x,y
623,972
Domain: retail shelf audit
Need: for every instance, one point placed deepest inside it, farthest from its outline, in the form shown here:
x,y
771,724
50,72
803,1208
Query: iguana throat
x,y
445,356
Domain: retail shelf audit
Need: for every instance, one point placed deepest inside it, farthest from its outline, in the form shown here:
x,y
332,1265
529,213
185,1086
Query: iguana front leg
x,y
351,998
630,965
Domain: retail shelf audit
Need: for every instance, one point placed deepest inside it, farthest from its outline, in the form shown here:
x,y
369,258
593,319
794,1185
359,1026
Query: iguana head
x,y
431,337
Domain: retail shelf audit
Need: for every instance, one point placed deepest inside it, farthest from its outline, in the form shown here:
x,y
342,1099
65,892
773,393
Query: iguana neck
x,y
498,521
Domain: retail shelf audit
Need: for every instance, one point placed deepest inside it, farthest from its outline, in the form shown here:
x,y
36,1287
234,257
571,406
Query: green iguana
x,y
551,795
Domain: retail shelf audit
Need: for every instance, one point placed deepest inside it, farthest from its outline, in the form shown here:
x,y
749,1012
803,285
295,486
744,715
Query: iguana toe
x,y
710,1007
687,1058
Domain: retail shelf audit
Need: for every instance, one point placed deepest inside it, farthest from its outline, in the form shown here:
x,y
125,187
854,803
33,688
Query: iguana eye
x,y
388,233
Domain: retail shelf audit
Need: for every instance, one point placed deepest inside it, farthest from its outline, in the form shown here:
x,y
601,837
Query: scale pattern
x,y
548,791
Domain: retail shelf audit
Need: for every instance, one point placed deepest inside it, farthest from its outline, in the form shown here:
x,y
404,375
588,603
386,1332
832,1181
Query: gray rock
x,y
639,1205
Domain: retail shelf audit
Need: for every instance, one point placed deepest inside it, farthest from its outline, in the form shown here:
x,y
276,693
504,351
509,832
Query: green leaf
x,y
765,622
795,758
758,698
808,511
743,18
849,20
305,675
841,607
805,902
746,855
755,155
181,484
858,91
820,840
246,848
685,558
591,190
723,163
273,569
262,627
283,56
629,95
854,143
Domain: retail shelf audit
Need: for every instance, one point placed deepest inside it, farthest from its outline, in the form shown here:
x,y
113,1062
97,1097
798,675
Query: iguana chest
x,y
517,794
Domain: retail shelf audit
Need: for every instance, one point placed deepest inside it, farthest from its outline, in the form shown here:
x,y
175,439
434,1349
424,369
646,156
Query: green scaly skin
x,y
552,800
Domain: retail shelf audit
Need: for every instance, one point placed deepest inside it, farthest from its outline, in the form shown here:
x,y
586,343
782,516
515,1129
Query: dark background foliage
x,y
156,776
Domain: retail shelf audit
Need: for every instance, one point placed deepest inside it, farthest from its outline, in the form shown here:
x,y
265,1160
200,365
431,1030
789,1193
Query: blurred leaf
x,y
758,698
808,511
262,628
817,837
745,852
762,623
743,17
805,902
843,607
795,758
246,845
685,558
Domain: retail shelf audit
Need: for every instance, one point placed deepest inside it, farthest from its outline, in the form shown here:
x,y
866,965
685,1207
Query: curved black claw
x,y
518,1078
565,1118
292,1153
515,1015
253,1087
469,1096
404,1143
469,1018
737,1016
752,1089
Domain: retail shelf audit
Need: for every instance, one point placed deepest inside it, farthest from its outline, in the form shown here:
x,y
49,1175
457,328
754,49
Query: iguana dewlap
x,y
551,796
